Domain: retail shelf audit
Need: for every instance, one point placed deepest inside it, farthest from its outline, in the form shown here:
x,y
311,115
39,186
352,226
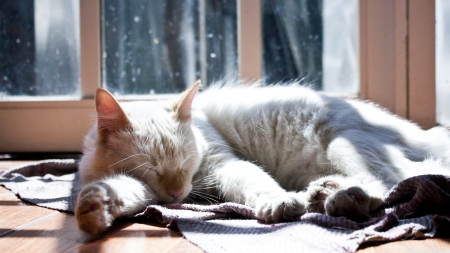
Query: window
x,y
125,48
39,53
312,41
164,46
443,62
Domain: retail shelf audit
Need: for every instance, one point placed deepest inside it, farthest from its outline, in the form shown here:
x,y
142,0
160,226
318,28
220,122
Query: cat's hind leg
x,y
337,195
101,202
360,177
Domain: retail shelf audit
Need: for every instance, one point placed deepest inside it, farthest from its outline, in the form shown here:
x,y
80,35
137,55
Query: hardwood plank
x,y
60,233
15,213
56,234
137,238
4,191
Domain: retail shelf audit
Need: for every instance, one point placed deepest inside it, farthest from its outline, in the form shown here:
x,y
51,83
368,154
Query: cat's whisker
x,y
199,196
131,156
191,200
147,156
203,188
204,180
210,184
206,177
213,184
210,198
137,167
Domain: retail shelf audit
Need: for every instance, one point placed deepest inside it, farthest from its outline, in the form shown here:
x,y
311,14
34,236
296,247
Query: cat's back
x,y
240,99
274,126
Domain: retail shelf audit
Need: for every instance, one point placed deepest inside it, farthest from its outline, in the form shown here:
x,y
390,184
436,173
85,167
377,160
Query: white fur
x,y
277,149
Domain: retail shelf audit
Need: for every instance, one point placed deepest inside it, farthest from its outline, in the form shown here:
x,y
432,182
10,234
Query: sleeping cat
x,y
282,150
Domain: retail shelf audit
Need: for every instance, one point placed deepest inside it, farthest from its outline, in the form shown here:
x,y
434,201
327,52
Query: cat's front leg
x,y
101,202
245,183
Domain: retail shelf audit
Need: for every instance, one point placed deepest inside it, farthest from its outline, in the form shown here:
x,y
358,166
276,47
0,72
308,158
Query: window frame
x,y
397,57
397,65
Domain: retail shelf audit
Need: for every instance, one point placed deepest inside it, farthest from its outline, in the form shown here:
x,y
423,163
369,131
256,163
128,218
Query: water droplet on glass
x,y
213,55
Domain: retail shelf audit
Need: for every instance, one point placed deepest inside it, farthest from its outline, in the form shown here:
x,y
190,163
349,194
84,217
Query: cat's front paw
x,y
318,191
286,206
94,211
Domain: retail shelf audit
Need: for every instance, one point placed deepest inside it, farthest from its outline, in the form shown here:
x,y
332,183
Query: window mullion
x,y
250,39
422,62
90,47
383,53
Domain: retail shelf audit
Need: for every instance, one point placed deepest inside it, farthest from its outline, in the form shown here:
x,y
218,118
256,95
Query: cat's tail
x,y
437,144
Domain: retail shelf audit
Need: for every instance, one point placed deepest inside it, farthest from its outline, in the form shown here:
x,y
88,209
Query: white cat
x,y
283,150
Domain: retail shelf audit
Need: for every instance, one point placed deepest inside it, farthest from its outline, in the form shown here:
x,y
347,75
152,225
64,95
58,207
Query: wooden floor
x,y
28,228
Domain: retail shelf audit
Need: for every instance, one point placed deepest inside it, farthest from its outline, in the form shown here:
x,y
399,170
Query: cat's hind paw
x,y
288,206
93,212
330,197
353,203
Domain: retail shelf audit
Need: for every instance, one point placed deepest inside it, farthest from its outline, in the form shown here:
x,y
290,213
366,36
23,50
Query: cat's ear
x,y
110,115
183,105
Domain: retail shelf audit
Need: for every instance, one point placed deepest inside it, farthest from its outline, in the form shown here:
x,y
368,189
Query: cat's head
x,y
151,141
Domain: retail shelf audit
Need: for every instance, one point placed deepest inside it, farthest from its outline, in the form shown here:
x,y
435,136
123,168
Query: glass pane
x,y
443,61
39,49
164,46
314,41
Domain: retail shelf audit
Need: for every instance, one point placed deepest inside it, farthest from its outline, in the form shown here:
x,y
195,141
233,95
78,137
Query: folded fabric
x,y
415,208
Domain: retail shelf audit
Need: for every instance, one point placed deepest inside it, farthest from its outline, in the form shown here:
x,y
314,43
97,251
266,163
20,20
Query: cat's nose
x,y
175,193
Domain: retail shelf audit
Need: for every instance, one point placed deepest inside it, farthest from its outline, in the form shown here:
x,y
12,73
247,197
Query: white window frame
x,y
397,70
